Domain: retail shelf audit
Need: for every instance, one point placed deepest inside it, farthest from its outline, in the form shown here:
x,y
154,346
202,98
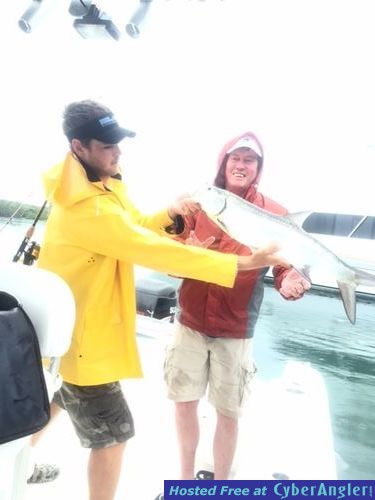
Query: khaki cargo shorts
x,y
194,361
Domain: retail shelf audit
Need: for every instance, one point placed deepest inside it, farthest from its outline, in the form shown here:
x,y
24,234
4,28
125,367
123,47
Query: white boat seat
x,y
47,300
49,303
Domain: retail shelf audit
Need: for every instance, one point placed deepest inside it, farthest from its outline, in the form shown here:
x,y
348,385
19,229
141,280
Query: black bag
x,y
24,404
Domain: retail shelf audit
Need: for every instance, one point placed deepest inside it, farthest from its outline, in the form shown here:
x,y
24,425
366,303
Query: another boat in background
x,y
351,237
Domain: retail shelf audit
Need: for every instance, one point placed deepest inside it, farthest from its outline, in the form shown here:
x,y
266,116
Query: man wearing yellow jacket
x,y
94,236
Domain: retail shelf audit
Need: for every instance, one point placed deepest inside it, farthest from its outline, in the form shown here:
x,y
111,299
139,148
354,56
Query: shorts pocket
x,y
168,367
247,374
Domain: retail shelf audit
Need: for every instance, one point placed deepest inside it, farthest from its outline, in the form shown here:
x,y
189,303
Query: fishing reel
x,y
29,250
31,253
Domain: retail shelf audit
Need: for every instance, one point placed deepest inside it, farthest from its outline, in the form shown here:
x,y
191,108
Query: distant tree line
x,y
21,210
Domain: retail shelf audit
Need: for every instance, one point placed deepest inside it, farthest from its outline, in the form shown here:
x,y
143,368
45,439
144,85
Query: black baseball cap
x,y
104,128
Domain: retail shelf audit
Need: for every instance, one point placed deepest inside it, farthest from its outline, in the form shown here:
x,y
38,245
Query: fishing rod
x,y
32,253
12,216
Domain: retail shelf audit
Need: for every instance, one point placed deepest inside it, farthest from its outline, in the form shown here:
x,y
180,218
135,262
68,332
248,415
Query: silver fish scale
x,y
296,246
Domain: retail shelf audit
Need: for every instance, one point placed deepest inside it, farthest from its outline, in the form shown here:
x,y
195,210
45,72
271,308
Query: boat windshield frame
x,y
359,224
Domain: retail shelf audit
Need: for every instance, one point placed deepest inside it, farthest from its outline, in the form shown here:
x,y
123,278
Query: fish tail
x,y
347,291
348,287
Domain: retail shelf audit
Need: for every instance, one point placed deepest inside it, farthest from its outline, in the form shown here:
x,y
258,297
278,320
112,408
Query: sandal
x,y
43,473
204,475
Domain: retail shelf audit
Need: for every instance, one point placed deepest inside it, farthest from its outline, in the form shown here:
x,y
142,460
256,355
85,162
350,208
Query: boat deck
x,y
285,429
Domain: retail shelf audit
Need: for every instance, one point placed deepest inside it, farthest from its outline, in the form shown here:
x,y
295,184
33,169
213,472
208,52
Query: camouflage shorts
x,y
99,413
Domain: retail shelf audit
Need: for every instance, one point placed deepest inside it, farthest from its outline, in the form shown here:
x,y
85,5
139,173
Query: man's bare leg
x,y
41,473
104,469
187,426
225,442
55,410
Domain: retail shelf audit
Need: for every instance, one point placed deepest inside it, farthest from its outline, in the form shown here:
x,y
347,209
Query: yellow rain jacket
x,y
93,237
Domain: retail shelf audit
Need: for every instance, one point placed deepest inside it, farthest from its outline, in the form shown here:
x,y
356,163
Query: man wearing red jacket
x,y
212,340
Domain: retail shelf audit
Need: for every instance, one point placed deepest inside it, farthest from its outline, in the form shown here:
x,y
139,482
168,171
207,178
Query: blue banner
x,y
279,490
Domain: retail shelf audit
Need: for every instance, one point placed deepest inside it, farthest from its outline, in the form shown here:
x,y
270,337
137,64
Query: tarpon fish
x,y
255,228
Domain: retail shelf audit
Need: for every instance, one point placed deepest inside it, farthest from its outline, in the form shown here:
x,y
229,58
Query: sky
x,y
298,73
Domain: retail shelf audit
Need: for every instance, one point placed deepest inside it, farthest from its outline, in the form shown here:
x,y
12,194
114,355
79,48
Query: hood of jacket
x,y
222,161
67,183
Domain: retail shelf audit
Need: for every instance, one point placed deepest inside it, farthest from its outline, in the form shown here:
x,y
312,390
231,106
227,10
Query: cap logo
x,y
106,121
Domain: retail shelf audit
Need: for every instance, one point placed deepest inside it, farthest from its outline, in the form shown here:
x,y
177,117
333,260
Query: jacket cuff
x,y
279,274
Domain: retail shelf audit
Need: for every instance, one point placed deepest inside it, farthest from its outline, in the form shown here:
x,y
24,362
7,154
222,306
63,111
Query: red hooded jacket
x,y
218,311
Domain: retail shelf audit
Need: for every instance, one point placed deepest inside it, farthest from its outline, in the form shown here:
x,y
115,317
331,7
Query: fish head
x,y
212,200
